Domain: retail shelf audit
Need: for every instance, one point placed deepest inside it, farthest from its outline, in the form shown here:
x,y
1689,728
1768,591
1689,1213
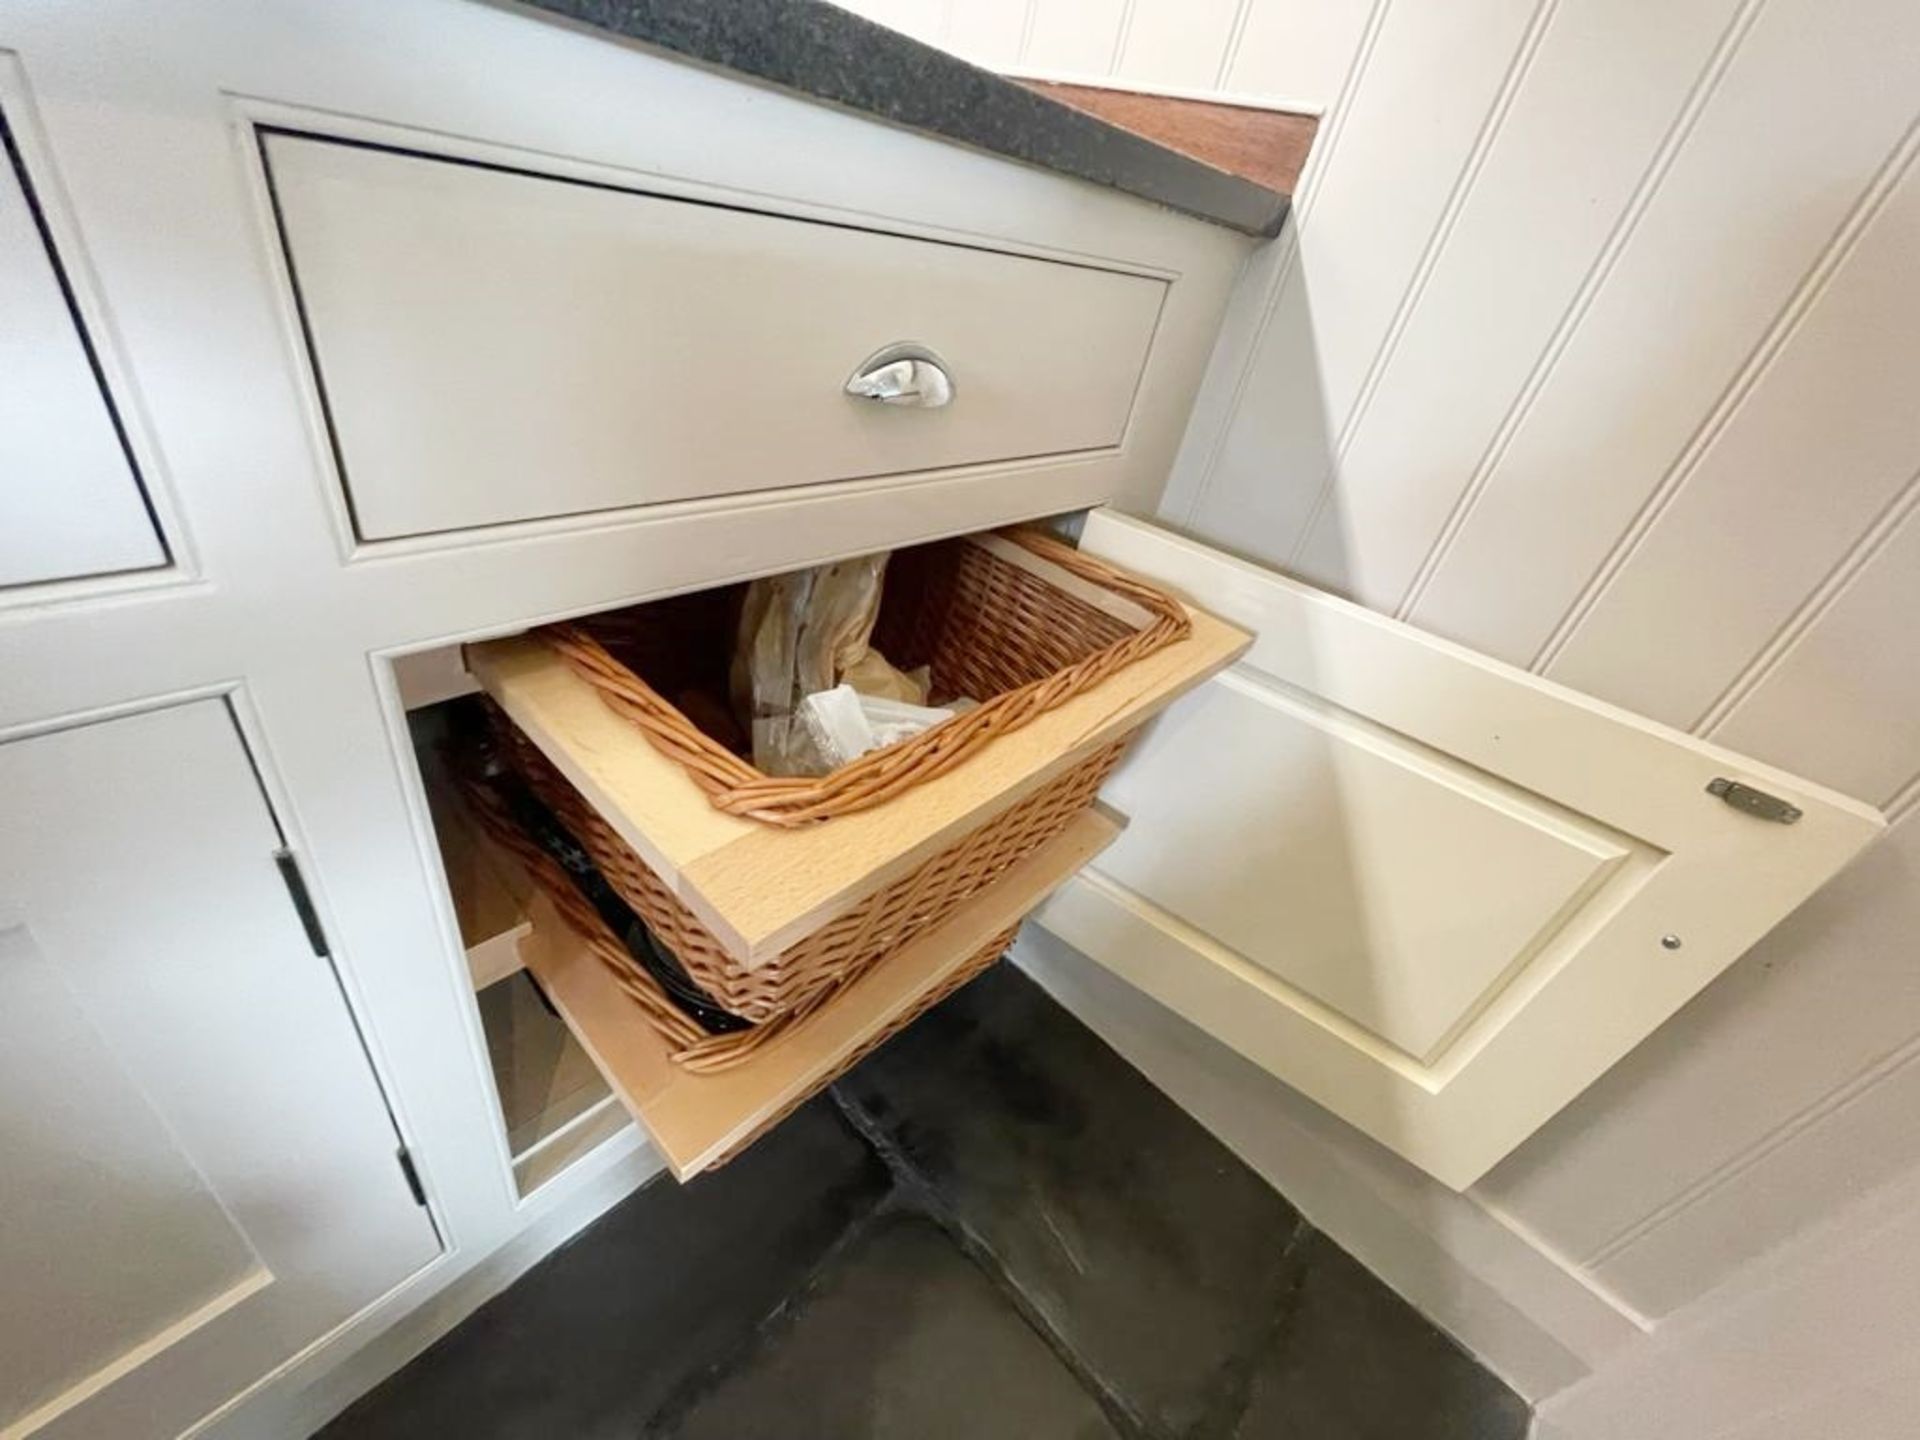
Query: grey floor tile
x,y
1192,1300
590,1342
900,1338
1356,1362
1154,1254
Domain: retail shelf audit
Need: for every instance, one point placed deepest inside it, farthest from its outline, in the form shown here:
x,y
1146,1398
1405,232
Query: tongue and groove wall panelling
x,y
1286,54
1588,349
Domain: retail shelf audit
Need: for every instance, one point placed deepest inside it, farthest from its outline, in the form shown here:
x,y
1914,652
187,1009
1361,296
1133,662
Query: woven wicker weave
x,y
847,944
693,1048
987,627
976,964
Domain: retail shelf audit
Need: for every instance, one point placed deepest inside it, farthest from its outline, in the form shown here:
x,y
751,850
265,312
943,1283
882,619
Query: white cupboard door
x,y
70,503
1437,894
198,1174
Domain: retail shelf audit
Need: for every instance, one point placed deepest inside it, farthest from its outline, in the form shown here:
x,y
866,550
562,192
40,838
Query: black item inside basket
x,y
540,825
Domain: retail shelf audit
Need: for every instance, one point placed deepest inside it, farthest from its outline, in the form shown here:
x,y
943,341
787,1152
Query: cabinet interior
x,y
569,1062
554,1106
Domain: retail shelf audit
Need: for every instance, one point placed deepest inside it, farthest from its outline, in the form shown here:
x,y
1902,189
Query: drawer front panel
x,y
494,346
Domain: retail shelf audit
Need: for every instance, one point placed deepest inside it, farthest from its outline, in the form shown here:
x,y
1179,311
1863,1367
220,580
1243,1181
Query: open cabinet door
x,y
1435,893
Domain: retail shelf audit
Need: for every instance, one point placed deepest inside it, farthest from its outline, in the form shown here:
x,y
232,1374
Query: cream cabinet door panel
x,y
200,1177
70,503
1437,894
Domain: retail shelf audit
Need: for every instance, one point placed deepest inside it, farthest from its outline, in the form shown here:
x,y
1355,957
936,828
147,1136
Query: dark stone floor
x,y
994,1229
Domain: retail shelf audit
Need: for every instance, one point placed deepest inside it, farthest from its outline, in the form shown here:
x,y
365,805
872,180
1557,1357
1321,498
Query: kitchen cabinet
x,y
71,503
438,353
201,1175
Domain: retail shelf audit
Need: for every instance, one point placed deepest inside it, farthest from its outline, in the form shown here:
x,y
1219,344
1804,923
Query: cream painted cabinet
x,y
70,501
1435,893
198,1175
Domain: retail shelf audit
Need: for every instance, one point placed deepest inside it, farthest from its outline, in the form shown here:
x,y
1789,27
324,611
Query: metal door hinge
x,y
1756,803
302,901
407,1169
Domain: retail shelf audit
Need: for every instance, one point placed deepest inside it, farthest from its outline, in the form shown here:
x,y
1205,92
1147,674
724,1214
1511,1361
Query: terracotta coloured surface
x,y
1268,147
827,53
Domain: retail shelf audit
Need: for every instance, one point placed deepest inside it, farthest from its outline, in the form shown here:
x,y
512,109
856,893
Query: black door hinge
x,y
413,1176
302,901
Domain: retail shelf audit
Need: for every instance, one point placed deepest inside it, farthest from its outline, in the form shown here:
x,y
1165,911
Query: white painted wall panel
x,y
1565,170
1078,39
1380,203
1845,696
1758,1109
987,32
1814,1342
1784,149
1181,44
1865,1139
1288,53
1826,439
1294,52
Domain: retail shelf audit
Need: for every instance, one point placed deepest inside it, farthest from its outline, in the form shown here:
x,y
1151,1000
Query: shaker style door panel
x,y
494,346
1437,894
200,1176
70,502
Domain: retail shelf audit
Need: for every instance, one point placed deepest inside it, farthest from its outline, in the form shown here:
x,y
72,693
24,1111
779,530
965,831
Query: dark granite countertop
x,y
826,53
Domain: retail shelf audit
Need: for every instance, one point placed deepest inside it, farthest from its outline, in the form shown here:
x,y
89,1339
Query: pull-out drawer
x,y
495,346
760,889
698,1120
820,937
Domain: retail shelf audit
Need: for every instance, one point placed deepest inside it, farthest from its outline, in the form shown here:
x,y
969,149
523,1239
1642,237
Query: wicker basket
x,y
809,985
986,625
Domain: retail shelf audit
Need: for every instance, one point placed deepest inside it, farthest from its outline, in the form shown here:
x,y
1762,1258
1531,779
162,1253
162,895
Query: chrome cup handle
x,y
908,375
